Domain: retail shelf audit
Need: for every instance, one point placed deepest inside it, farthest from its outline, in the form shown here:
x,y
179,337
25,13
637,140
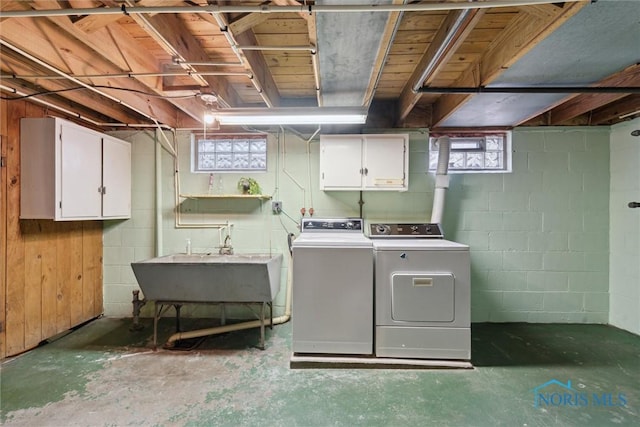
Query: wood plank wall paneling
x,y
92,269
15,302
3,226
51,271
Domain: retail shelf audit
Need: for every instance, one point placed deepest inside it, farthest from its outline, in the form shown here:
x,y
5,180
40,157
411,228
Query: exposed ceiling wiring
x,y
53,92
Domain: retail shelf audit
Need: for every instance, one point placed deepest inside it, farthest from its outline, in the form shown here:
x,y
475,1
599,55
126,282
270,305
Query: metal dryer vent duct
x,y
442,179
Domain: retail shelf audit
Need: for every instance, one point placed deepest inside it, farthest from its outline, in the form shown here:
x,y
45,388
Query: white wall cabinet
x,y
364,162
72,173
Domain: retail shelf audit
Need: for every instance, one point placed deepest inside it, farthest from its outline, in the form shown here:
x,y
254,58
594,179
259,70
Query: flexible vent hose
x,y
442,179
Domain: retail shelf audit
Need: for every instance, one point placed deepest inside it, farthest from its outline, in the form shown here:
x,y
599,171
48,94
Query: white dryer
x,y
422,287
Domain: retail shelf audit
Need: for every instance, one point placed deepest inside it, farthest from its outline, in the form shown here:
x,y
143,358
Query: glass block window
x,y
229,153
475,153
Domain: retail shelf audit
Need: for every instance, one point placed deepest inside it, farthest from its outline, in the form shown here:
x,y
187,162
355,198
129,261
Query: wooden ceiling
x,y
132,68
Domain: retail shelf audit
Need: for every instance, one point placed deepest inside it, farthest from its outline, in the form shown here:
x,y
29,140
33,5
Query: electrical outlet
x,y
276,207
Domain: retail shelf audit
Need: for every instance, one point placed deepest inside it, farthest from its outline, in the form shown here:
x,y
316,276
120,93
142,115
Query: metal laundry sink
x,y
183,278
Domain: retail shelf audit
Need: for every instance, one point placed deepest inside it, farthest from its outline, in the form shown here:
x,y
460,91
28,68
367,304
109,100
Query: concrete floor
x,y
104,375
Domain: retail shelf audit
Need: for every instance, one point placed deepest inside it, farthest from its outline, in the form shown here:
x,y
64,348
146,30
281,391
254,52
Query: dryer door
x,y
422,297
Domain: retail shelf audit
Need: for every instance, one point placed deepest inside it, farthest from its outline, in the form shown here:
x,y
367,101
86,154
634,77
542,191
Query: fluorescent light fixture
x,y
292,116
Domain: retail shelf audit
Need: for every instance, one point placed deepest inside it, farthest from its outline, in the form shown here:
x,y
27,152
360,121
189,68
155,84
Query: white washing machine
x,y
422,287
332,288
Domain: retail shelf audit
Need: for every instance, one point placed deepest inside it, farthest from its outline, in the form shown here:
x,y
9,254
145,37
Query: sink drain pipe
x,y
442,179
239,326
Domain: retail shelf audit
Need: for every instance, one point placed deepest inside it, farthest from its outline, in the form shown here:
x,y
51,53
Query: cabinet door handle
x,y
104,190
634,205
100,190
366,171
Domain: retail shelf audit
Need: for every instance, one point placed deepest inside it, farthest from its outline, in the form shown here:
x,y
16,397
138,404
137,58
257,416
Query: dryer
x,y
422,293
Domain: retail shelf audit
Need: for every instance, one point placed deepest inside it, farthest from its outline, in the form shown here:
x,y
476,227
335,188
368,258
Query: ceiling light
x,y
292,116
209,118
209,98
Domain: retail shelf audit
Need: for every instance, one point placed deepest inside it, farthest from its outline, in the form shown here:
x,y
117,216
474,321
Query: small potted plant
x,y
248,186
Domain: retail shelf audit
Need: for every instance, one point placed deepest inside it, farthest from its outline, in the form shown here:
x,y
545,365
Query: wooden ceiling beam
x,y
408,98
256,65
124,52
92,23
259,68
518,38
381,57
83,97
611,113
313,41
254,61
247,22
43,39
579,104
173,36
542,11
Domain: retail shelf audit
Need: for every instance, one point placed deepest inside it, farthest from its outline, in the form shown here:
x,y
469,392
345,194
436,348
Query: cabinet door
x,y
340,162
116,178
385,162
79,173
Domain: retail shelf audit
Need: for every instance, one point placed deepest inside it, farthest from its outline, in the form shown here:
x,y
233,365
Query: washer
x,y
422,286
332,288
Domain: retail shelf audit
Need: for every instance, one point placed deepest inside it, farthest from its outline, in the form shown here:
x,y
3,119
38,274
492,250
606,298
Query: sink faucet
x,y
226,249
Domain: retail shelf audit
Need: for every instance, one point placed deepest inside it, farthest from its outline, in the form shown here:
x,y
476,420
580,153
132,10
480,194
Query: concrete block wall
x,y
126,241
538,236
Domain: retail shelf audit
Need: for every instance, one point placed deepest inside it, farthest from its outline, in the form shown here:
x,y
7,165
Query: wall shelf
x,y
226,196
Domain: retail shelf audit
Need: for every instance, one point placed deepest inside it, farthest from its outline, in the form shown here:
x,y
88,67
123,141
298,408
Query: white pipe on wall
x,y
442,179
158,176
284,165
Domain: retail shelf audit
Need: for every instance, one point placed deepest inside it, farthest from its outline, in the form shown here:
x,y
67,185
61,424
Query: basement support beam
x,y
577,105
453,31
627,105
520,36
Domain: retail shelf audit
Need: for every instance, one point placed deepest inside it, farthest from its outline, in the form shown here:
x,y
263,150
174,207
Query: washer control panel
x,y
433,231
332,224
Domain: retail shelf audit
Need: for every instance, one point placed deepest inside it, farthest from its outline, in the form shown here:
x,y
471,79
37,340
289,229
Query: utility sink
x,y
210,277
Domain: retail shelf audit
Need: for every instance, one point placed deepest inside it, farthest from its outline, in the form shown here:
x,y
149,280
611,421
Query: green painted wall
x,y
538,236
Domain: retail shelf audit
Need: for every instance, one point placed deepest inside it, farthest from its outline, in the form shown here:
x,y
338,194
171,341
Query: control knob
x,y
383,229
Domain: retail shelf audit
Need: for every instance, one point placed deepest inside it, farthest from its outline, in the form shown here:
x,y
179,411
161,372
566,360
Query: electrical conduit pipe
x,y
442,179
239,326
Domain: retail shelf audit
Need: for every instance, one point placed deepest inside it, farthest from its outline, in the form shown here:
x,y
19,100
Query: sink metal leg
x,y
262,313
178,307
155,325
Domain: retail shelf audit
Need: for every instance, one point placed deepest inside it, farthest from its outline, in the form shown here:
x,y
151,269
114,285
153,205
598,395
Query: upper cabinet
x,y
71,173
364,162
